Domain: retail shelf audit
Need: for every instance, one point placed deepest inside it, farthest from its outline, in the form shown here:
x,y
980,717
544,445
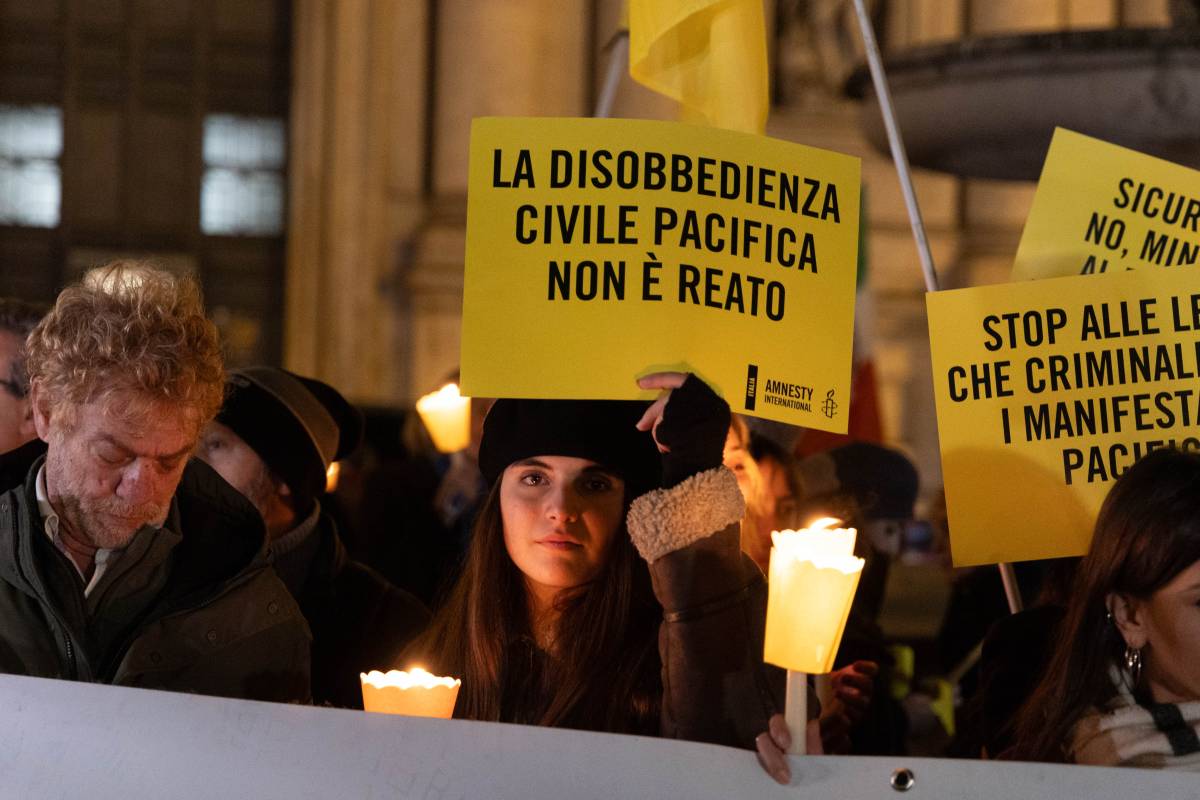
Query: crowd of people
x,y
599,565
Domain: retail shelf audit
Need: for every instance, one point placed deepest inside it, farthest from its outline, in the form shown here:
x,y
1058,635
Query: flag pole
x,y
875,63
899,156
618,62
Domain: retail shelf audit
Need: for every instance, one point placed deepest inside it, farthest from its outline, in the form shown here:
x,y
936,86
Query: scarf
x,y
1126,733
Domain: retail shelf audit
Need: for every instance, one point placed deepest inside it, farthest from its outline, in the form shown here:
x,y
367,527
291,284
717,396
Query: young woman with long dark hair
x,y
1123,685
604,588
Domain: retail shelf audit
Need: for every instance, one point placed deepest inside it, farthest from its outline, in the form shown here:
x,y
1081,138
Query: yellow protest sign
x,y
601,250
1047,391
1100,208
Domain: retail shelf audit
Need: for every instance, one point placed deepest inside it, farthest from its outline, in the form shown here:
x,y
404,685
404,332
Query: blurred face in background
x,y
755,528
16,412
244,470
236,462
779,503
737,459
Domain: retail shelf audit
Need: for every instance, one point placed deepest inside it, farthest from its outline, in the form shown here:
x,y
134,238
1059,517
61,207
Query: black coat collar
x,y
222,532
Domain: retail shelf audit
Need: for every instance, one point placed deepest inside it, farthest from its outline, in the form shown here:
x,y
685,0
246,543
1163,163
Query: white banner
x,y
60,739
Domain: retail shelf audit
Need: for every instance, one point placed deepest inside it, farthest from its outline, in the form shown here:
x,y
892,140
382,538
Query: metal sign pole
x,y
875,63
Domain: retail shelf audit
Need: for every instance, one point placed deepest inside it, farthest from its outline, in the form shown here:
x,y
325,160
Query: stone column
x,y
511,58
356,187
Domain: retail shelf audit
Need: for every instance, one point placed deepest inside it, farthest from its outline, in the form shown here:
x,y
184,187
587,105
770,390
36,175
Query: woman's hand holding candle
x,y
772,746
813,577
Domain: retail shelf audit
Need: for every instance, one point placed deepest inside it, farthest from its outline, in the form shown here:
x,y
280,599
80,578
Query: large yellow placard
x,y
1047,391
602,250
1100,208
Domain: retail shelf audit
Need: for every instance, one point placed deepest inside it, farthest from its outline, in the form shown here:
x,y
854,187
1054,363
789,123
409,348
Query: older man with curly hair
x,y
121,560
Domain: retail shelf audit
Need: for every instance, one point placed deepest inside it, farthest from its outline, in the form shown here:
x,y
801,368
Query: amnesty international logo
x,y
830,406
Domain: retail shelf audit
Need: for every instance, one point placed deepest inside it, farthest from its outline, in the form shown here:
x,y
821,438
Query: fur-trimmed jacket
x,y
689,664
715,685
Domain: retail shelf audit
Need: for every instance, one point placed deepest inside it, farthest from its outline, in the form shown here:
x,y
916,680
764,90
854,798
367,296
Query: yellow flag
x,y
710,55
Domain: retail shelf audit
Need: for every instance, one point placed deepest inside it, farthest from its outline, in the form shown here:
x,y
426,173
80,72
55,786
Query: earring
x,y
1133,663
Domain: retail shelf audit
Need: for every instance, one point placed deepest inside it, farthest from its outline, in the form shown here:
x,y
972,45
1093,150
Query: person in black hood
x,y
273,441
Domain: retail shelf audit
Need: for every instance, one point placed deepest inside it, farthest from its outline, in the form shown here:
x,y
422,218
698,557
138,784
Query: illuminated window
x,y
31,142
242,191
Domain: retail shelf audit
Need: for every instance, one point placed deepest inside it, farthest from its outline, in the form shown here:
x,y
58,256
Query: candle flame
x,y
446,397
813,578
447,417
416,678
821,544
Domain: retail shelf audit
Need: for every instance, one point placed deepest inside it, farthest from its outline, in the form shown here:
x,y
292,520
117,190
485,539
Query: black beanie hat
x,y
599,430
298,426
883,481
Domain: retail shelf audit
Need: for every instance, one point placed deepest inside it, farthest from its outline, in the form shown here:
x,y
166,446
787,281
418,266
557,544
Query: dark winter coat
x,y
359,621
692,656
192,607
714,598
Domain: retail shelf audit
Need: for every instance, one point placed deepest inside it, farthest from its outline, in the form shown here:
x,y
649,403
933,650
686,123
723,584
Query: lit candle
x,y
813,576
447,417
415,693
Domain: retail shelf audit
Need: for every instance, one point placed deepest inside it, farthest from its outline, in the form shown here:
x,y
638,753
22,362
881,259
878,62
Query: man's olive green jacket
x,y
191,607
